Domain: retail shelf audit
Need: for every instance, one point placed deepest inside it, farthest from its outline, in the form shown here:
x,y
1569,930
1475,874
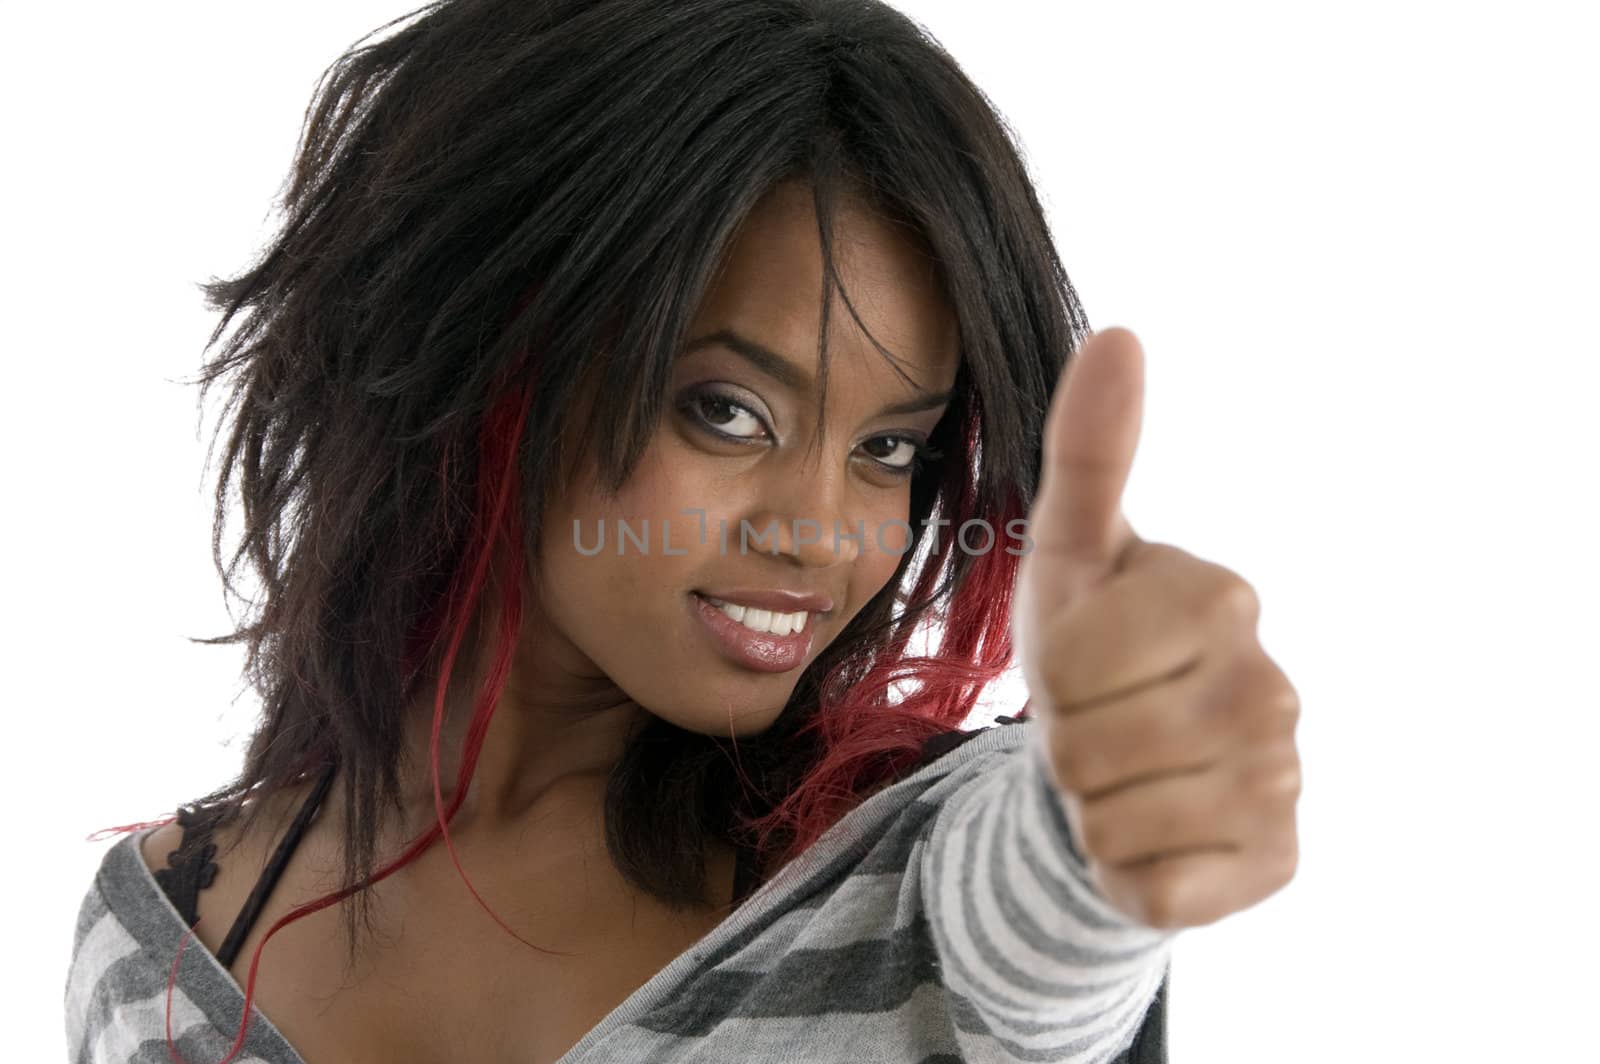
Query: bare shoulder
x,y
240,857
155,846
158,844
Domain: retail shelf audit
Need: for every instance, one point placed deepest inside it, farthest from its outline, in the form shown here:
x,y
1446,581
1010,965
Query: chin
x,y
707,717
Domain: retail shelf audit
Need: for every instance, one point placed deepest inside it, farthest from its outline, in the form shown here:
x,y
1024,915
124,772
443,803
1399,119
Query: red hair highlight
x,y
495,543
867,739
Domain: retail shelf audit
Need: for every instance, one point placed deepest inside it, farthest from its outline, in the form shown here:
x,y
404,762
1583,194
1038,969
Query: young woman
x,y
628,385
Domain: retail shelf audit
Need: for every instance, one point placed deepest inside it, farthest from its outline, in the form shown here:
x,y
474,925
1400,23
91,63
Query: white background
x,y
1358,242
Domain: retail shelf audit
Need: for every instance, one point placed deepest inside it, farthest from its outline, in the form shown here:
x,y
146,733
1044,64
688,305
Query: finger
x,y
1090,436
1235,803
1157,618
1199,888
1178,725
1161,728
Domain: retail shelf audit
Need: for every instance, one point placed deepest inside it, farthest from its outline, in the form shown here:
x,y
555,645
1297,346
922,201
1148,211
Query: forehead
x,y
769,286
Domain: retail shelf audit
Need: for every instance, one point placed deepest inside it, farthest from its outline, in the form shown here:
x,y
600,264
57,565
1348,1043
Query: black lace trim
x,y
190,868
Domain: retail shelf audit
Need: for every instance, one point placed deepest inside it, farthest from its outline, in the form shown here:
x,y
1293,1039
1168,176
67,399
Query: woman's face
x,y
737,444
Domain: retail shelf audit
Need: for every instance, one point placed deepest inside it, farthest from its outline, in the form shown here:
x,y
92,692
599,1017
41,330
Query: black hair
x,y
502,216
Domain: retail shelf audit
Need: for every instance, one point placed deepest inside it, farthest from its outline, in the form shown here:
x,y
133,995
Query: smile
x,y
761,620
753,638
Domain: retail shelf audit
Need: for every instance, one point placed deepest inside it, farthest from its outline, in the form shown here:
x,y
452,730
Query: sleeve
x,y
1038,966
84,970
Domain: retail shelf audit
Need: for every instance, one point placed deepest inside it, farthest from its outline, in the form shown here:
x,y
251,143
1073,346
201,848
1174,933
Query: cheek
x,y
647,545
625,613
628,615
887,539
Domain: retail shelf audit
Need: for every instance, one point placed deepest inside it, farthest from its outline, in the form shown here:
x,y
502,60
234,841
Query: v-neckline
x,y
818,859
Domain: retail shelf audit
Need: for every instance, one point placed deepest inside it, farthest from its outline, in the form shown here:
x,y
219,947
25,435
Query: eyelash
x,y
921,456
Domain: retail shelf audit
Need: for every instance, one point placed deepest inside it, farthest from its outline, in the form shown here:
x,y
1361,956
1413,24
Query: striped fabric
x,y
947,918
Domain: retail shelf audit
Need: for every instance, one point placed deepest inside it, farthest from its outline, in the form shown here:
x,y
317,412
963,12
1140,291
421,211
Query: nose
x,y
806,517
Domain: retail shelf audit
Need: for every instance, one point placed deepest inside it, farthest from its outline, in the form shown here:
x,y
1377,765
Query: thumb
x,y
1090,436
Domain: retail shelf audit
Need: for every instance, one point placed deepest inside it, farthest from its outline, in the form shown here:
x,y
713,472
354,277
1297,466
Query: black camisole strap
x,y
191,867
270,875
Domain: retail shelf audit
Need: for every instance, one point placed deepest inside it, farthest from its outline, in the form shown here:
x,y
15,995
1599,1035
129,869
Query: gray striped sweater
x,y
947,918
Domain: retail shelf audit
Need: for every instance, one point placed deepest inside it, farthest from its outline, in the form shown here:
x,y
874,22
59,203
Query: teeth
x,y
762,620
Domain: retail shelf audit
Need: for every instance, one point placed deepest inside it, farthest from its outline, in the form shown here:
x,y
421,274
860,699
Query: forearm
x,y
1048,967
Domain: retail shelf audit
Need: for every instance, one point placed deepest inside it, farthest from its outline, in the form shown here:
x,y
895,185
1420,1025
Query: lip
x,y
758,651
772,599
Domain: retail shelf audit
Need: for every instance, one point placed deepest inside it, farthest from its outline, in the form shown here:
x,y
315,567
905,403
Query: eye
x,y
728,417
902,450
910,454
724,416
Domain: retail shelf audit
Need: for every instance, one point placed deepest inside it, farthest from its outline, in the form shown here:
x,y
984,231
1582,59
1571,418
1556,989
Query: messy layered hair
x,y
502,216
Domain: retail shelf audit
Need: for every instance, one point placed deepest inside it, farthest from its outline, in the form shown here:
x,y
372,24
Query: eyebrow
x,y
792,376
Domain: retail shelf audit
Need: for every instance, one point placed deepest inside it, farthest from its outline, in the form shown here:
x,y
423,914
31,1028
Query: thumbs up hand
x,y
1168,730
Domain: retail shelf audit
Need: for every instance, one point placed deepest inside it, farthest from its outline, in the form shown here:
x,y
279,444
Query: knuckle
x,y
1274,776
1270,706
1277,870
1288,865
1285,704
1059,664
1235,599
1098,835
1162,898
1292,783
1284,781
1075,766
1279,699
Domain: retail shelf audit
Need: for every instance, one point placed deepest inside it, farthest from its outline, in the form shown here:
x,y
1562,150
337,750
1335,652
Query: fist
x,y
1168,730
